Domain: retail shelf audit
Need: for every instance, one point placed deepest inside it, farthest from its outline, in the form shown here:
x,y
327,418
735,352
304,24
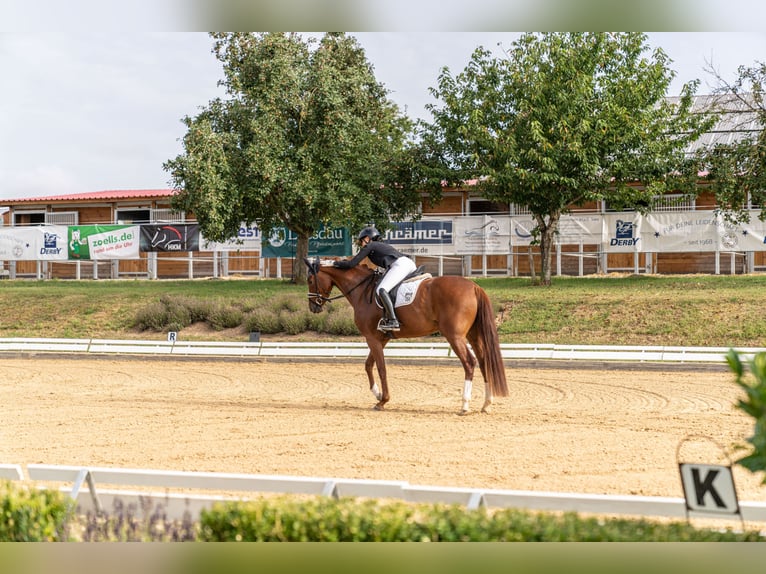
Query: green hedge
x,y
351,520
30,515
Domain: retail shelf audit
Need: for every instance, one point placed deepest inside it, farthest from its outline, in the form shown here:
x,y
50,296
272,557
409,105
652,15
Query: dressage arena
x,y
562,430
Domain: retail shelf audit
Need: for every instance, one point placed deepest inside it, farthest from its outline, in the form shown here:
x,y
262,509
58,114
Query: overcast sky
x,y
84,111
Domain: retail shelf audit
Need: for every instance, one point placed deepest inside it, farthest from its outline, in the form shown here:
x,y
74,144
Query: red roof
x,y
107,195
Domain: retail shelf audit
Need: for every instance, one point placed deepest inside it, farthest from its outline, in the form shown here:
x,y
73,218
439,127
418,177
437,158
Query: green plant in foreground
x,y
29,515
754,404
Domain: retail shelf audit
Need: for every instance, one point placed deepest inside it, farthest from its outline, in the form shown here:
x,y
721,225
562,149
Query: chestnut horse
x,y
454,306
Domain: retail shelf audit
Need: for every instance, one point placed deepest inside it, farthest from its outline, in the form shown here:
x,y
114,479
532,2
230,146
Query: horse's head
x,y
320,285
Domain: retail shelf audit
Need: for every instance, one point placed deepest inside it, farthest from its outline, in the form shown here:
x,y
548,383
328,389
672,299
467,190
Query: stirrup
x,y
388,325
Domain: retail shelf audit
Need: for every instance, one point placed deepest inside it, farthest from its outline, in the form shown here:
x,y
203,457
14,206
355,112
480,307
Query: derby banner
x,y
103,242
41,243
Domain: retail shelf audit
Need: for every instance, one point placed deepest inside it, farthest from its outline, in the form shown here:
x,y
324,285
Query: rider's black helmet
x,y
370,232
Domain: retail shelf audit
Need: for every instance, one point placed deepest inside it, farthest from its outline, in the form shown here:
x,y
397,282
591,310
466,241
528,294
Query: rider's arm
x,y
355,260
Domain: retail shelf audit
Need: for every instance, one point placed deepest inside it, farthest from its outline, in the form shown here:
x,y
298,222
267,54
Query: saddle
x,y
417,275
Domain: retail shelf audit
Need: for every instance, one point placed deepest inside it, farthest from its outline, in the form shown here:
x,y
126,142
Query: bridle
x,y
320,299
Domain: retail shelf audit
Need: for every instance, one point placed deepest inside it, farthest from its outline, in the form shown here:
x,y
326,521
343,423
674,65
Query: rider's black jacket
x,y
381,254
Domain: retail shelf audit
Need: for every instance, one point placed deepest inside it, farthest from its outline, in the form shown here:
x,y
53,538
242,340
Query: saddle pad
x,y
406,292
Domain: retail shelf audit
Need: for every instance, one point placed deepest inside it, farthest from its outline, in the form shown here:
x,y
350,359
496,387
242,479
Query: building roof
x,y
106,195
738,119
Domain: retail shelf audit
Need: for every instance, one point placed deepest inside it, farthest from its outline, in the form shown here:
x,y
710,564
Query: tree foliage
x,y
305,137
753,404
563,120
736,171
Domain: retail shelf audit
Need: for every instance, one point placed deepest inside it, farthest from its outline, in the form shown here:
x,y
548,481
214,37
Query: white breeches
x,y
399,270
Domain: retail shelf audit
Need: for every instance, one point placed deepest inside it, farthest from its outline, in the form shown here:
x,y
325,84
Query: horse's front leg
x,y
376,358
368,365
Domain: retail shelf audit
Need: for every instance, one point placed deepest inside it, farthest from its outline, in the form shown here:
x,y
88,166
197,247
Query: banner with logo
x,y
327,242
173,237
248,238
38,243
103,242
426,237
482,235
621,233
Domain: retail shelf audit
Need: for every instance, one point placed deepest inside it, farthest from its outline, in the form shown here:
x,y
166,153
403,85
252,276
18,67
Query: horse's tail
x,y
483,334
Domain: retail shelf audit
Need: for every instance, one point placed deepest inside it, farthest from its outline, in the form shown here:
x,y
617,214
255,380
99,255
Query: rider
x,y
397,266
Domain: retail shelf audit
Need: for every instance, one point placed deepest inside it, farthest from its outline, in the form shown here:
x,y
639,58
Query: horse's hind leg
x,y
468,361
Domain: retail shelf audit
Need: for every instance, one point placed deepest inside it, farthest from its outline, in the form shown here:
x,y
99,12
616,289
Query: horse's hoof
x,y
464,412
378,407
486,410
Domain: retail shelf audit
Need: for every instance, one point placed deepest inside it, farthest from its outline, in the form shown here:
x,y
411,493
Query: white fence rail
x,y
330,350
241,486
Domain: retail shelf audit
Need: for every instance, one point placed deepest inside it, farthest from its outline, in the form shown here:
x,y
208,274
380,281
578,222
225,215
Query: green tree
x,y
753,404
736,171
566,119
306,136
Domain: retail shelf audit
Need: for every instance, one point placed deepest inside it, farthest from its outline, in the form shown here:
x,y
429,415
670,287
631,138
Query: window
x,y
667,202
62,218
134,215
483,206
28,218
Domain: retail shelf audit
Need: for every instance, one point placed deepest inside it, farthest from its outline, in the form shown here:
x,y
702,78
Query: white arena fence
x,y
183,492
558,354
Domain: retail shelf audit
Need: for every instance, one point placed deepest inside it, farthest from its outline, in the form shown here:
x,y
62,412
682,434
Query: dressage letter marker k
x,y
709,488
703,487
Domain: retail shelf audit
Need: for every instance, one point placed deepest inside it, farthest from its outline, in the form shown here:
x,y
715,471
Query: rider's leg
x,y
390,322
396,273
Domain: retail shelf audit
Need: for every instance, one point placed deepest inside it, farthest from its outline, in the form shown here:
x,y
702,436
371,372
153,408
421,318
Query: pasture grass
x,y
693,310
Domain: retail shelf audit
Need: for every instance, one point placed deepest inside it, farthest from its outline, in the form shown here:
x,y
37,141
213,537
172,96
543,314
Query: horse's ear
x,y
312,265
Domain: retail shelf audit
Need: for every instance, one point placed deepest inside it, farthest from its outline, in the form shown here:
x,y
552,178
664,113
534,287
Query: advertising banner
x,y
426,237
327,242
248,239
691,231
38,243
170,237
482,235
750,236
621,233
103,242
521,230
579,228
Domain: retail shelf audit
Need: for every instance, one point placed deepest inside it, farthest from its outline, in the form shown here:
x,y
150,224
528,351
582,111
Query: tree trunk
x,y
547,233
300,272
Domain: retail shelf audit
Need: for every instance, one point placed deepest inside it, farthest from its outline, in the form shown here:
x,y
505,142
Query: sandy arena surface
x,y
587,431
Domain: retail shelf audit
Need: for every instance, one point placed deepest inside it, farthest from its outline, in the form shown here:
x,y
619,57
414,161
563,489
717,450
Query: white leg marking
x,y
376,391
467,386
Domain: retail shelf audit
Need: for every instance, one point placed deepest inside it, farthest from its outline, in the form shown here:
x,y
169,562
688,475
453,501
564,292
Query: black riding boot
x,y
389,321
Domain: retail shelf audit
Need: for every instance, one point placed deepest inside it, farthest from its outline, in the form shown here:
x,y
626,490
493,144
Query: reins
x,y
324,299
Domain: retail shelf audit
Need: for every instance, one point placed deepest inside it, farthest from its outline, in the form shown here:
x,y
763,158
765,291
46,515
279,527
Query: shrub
x,y
128,523
30,515
170,314
352,520
293,322
341,324
263,320
224,317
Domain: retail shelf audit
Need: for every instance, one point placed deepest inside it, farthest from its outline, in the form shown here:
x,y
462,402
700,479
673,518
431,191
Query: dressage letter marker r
x,y
709,488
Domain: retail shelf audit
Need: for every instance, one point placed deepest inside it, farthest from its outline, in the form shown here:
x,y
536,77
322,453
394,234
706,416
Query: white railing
x,y
402,350
86,486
